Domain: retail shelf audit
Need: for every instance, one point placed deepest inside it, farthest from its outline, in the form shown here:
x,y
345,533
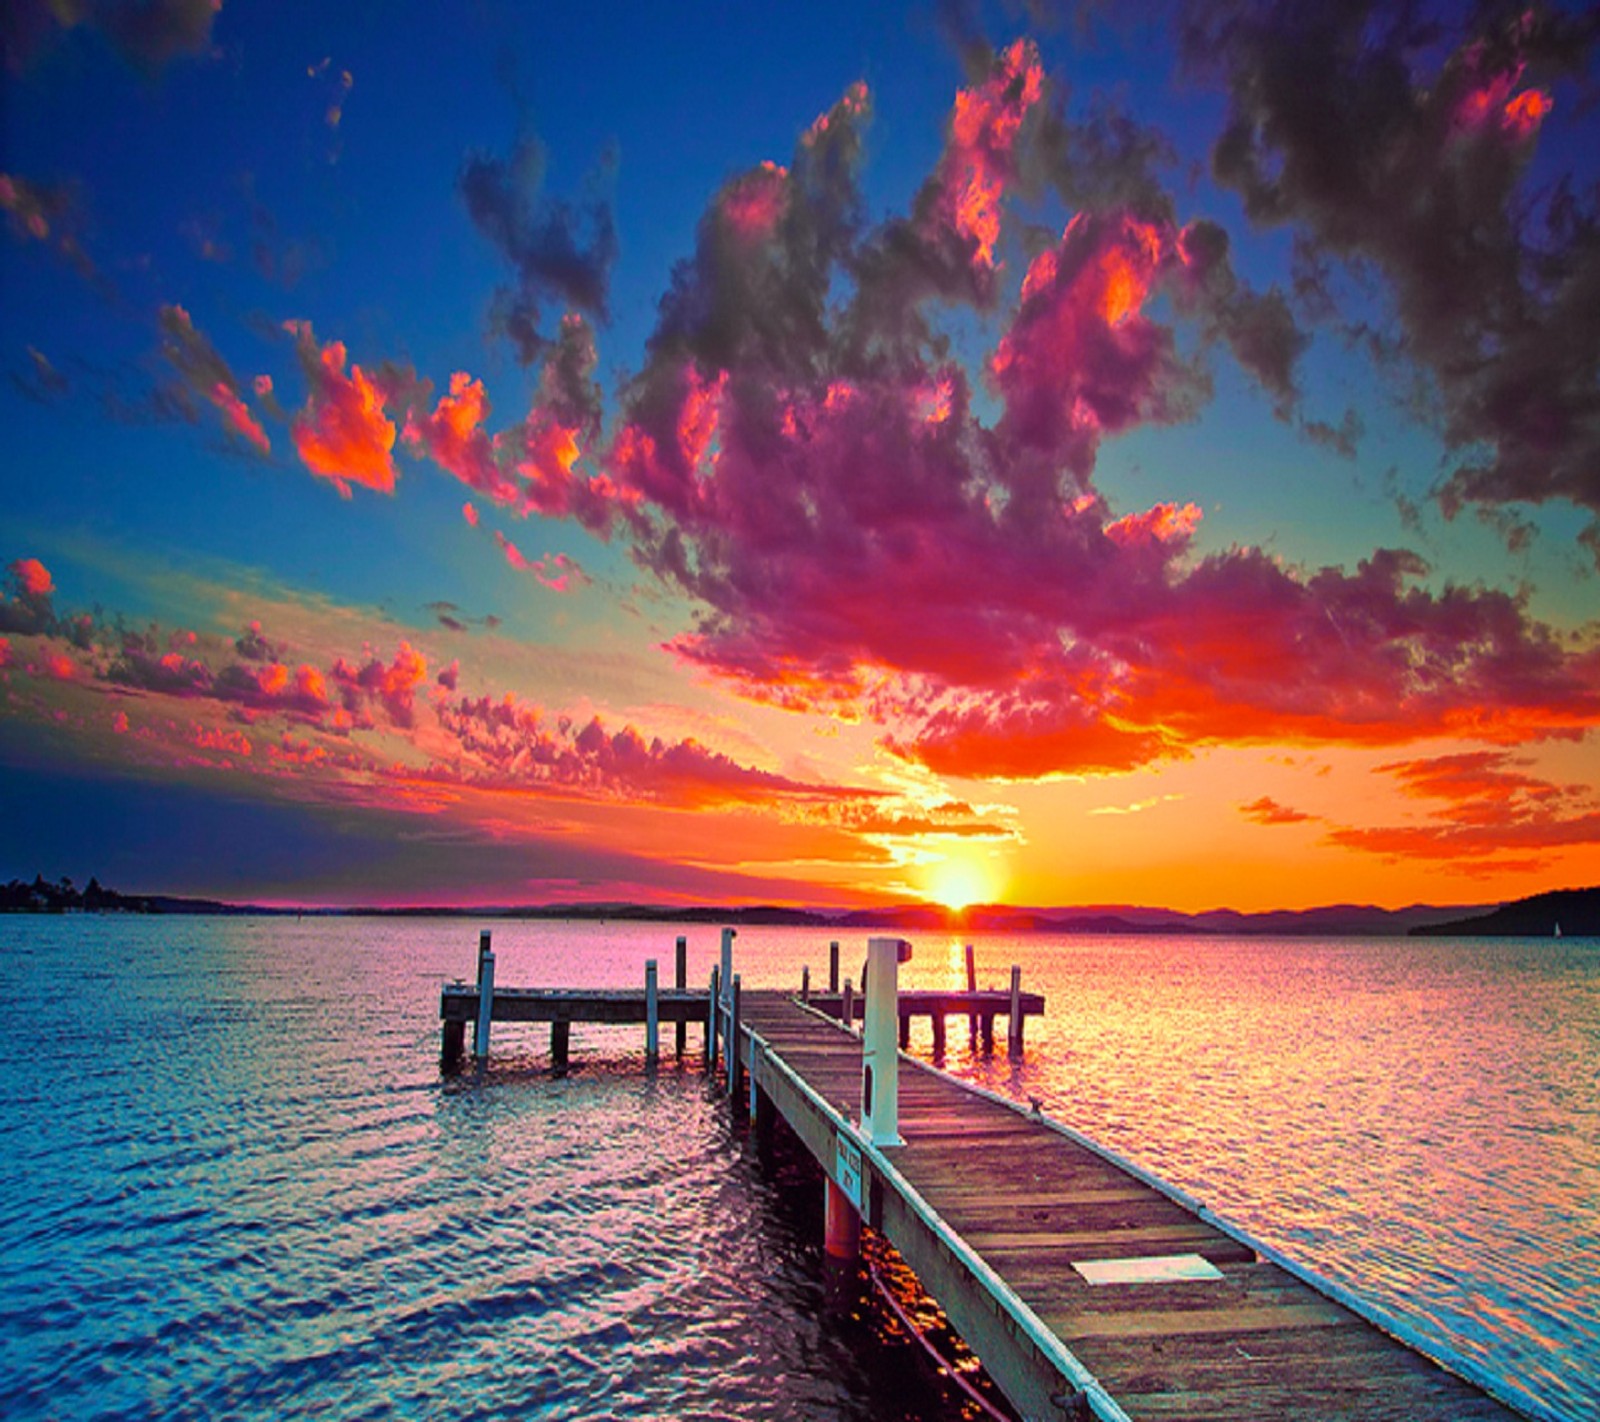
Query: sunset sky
x,y
816,454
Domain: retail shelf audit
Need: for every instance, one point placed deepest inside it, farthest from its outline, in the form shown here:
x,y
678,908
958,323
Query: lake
x,y
232,1181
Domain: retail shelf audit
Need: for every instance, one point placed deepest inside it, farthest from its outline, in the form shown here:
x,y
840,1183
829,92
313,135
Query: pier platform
x,y
1089,1288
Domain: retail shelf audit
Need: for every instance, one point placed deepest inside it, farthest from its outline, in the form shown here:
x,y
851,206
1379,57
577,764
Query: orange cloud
x,y
342,434
33,578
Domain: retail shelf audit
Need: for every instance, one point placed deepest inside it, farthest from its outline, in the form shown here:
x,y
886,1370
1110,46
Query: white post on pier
x,y
480,1030
652,1013
880,1055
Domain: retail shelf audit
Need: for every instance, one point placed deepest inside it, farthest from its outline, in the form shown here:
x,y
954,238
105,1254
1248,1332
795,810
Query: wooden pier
x,y
1089,1288
1008,1220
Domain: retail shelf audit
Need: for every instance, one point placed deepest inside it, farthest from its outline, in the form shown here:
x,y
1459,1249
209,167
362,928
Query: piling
x,y
480,1035
733,1036
972,986
833,966
1014,1025
711,1020
652,1013
805,983
454,1044
847,1008
560,1044
841,1224
680,980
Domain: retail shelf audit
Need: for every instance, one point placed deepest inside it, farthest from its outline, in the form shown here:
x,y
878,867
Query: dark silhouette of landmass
x,y
1572,912
1576,910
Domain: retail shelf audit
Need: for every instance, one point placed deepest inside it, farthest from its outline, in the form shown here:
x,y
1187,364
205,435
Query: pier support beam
x,y
938,1036
560,1044
880,1060
732,1046
841,1225
833,966
453,1046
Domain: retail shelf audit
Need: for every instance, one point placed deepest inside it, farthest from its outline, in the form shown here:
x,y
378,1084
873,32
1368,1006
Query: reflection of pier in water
x,y
1088,1288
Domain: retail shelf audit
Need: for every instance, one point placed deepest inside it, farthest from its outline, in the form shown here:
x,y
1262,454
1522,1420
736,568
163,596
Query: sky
x,y
813,454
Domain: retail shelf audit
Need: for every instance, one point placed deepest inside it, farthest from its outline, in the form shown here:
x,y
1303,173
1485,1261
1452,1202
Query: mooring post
x,y
560,1044
847,1007
711,1019
733,1042
652,1014
880,1061
833,966
480,1034
680,980
1014,1032
805,983
972,987
938,1034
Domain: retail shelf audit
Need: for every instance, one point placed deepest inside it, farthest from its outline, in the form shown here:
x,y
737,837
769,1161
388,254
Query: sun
x,y
958,883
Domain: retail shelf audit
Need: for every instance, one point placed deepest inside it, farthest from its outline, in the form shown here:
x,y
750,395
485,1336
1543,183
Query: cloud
x,y
343,433
393,686
1423,174
1267,811
26,601
50,214
554,248
1492,808
204,372
511,742
818,477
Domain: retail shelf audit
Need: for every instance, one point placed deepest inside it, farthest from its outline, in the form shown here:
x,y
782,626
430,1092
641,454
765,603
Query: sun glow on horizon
x,y
960,881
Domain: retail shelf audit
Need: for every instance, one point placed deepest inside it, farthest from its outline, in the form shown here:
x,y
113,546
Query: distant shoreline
x,y
1576,911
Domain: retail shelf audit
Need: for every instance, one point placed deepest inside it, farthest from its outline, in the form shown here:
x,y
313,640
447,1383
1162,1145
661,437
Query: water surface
x,y
232,1181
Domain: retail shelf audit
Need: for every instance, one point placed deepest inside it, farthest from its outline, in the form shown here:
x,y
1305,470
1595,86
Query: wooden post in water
x,y
805,983
905,1031
833,966
652,1014
560,1044
711,1020
680,980
1014,1027
972,986
455,1041
847,1007
938,1036
480,1034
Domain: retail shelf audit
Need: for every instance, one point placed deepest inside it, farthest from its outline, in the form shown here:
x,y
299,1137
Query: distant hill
x,y
1577,911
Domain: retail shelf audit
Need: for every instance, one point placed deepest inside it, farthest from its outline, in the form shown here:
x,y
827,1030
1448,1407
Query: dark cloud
x,y
555,248
148,34
1345,123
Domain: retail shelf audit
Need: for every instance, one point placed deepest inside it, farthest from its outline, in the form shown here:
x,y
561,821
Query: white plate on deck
x,y
1153,1269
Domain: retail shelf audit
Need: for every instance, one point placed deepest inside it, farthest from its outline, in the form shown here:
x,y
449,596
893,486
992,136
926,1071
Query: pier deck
x,y
997,1210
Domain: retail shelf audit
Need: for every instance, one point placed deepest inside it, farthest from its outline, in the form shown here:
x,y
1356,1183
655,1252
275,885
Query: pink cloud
x,y
206,374
469,513
453,436
978,159
392,685
33,578
342,434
